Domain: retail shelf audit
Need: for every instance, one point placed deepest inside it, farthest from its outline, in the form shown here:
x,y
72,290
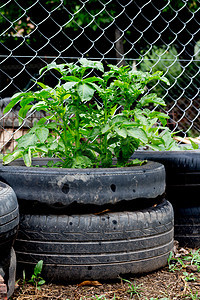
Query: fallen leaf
x,y
89,282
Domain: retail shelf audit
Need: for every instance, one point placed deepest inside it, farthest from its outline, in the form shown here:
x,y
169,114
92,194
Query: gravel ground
x,y
162,284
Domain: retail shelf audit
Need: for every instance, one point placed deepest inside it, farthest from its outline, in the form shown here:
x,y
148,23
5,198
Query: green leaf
x,y
138,133
160,116
42,121
41,105
53,146
85,92
167,139
165,80
51,125
68,85
27,158
41,148
38,267
41,282
125,149
51,66
27,140
91,64
135,162
150,98
14,100
93,133
26,100
12,156
42,134
43,86
121,131
92,79
118,119
81,161
44,94
71,78
105,128
113,110
194,145
23,112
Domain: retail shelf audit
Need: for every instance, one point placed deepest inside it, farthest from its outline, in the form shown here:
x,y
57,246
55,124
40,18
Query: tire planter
x,y
55,186
81,247
9,222
182,189
187,227
9,218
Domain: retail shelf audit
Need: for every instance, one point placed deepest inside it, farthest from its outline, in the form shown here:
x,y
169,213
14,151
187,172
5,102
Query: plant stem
x,y
77,134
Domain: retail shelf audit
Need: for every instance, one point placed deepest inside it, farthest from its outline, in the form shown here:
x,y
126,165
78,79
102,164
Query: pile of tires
x,y
9,222
92,223
182,190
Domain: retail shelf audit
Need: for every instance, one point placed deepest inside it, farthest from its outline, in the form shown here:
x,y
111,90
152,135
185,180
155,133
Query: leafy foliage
x,y
36,279
92,119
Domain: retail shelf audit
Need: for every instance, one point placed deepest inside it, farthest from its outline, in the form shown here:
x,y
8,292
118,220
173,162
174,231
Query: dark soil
x,y
162,284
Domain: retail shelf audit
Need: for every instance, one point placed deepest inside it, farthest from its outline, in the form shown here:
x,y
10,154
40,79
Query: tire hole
x,y
113,187
134,191
114,222
70,223
65,188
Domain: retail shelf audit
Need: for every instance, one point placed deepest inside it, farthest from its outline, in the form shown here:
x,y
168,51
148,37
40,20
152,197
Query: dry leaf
x,y
182,252
89,282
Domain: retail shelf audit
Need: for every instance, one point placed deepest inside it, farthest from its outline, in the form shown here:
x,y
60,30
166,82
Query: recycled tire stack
x,y
182,190
9,222
92,224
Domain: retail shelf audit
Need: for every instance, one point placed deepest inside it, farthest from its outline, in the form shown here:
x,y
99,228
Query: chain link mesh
x,y
149,35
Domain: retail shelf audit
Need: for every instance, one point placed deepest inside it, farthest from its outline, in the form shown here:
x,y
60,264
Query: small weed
x,y
175,264
133,289
194,258
189,276
36,279
193,296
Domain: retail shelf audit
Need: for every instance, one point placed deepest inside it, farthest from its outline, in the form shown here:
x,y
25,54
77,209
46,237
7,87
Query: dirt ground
x,y
162,284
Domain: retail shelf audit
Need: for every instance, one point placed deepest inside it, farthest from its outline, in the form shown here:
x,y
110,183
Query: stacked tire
x,y
9,222
92,223
182,190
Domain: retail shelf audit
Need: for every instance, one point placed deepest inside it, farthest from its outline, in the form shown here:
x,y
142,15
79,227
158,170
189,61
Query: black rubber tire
x,y
182,172
187,227
12,273
182,188
87,186
81,247
8,271
9,219
185,160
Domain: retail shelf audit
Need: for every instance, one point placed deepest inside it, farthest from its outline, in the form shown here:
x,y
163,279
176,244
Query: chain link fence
x,y
149,35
